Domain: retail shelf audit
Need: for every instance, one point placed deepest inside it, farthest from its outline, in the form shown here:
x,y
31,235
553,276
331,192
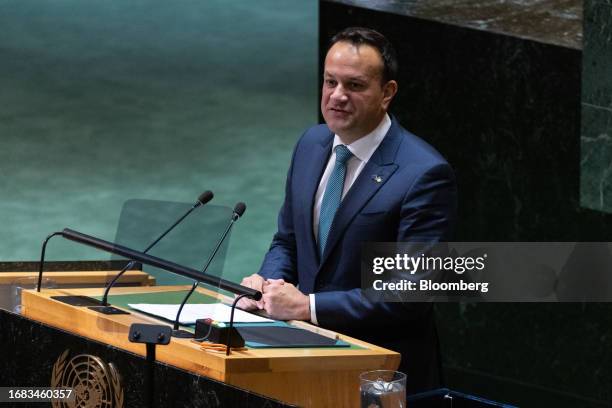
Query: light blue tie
x,y
332,195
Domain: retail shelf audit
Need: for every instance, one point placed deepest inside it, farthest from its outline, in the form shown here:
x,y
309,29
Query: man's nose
x,y
339,94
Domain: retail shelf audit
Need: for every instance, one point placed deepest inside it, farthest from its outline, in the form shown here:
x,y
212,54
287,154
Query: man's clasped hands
x,y
281,300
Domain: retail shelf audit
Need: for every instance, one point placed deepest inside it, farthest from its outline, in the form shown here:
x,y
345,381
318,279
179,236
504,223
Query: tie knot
x,y
342,154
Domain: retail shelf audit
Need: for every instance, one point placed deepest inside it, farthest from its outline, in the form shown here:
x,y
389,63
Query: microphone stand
x,y
176,332
42,258
231,325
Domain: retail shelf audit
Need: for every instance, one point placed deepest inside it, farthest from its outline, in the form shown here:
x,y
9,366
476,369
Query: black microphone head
x,y
239,209
205,197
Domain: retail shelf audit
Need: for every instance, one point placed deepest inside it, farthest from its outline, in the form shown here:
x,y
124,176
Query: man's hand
x,y
256,282
283,301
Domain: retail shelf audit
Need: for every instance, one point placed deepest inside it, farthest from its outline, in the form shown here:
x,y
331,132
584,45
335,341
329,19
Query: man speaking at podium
x,y
360,177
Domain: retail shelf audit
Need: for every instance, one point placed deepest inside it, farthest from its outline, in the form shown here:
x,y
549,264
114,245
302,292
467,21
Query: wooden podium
x,y
81,278
308,377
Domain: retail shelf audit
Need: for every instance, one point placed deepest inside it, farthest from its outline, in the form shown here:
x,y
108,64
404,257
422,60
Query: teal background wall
x,y
107,101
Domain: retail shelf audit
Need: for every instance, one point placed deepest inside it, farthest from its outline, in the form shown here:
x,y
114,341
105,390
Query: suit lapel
x,y
374,175
317,162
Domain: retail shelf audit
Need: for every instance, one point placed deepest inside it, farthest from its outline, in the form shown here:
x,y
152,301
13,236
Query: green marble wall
x,y
596,140
102,102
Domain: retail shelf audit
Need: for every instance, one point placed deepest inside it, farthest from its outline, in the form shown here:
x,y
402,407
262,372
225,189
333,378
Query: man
x,y
361,177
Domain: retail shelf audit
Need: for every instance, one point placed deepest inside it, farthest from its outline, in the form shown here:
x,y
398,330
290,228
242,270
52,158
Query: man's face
x,y
354,99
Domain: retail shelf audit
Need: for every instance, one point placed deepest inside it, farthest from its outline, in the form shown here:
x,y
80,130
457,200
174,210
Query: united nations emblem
x,y
95,383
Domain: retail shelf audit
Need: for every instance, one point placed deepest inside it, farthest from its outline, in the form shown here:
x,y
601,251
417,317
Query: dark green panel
x,y
597,54
596,163
533,355
596,140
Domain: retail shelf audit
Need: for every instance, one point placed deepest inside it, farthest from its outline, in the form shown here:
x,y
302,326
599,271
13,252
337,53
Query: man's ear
x,y
389,91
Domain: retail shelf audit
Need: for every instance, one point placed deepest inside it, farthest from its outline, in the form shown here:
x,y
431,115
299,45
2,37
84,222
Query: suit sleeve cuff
x,y
313,310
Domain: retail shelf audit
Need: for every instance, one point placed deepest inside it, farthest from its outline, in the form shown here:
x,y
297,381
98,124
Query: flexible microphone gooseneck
x,y
203,198
239,209
42,258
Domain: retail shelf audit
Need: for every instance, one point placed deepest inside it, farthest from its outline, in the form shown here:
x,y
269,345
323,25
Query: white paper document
x,y
215,311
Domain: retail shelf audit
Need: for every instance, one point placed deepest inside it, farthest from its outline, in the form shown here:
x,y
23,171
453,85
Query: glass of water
x,y
383,389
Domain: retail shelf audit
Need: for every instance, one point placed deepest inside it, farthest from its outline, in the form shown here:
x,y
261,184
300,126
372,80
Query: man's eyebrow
x,y
355,78
358,79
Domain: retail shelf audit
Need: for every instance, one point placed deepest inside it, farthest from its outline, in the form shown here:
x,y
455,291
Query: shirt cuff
x,y
313,310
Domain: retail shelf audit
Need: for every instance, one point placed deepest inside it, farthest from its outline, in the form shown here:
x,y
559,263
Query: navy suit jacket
x,y
414,201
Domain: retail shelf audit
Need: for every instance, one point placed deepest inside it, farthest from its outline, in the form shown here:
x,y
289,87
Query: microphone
x,y
203,198
158,263
239,209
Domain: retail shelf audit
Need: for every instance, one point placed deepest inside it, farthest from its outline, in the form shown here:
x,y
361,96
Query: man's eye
x,y
355,85
330,82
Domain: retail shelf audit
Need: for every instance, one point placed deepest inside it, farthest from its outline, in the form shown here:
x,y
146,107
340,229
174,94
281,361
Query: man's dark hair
x,y
360,35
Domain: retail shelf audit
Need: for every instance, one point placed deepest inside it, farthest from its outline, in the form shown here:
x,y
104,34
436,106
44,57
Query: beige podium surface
x,y
81,278
309,377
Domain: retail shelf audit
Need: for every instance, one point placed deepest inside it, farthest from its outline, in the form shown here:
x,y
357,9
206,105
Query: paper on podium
x,y
191,312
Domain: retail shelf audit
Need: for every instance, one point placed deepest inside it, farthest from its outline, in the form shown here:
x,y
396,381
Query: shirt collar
x,y
364,147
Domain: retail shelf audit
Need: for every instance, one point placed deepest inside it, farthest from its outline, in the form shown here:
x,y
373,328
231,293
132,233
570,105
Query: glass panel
x,y
189,244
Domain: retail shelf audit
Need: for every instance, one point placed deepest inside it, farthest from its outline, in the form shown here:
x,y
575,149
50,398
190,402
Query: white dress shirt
x,y
362,149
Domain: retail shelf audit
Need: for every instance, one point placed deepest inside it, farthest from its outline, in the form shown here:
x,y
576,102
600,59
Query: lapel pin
x,y
377,178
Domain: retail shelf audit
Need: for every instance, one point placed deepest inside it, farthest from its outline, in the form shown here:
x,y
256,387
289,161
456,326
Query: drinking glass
x,y
383,389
